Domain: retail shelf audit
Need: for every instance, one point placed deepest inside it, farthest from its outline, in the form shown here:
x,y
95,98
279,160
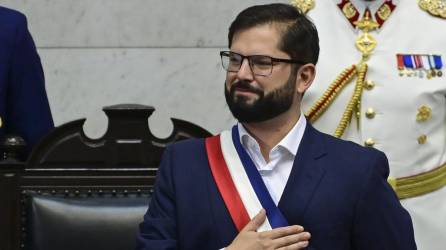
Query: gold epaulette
x,y
303,5
420,184
433,7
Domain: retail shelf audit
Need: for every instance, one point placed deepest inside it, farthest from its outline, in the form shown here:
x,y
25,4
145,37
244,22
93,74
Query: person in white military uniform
x,y
381,84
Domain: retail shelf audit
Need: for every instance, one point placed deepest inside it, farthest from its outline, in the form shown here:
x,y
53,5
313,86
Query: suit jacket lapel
x,y
305,176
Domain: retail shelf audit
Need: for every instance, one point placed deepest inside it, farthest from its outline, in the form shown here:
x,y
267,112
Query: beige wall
x,y
159,53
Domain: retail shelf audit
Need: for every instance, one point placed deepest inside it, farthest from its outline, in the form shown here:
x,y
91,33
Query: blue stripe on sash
x,y
275,216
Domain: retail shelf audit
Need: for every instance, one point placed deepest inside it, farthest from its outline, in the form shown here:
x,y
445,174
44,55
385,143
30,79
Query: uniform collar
x,y
361,5
354,10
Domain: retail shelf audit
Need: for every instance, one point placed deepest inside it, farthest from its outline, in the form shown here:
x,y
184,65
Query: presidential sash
x,y
239,182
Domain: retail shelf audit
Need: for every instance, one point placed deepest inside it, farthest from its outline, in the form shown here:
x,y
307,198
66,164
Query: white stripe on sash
x,y
240,179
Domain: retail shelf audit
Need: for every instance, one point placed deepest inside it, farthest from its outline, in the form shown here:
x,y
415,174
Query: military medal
x,y
426,66
431,66
365,42
408,64
400,65
438,65
419,65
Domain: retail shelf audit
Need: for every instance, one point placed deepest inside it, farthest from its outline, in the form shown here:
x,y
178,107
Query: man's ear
x,y
305,77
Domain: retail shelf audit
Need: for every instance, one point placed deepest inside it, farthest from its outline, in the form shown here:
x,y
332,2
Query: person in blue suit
x,y
314,191
24,108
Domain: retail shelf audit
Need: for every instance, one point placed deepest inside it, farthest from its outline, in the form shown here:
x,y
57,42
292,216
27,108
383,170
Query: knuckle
x,y
291,239
297,229
291,230
261,236
265,244
305,235
302,245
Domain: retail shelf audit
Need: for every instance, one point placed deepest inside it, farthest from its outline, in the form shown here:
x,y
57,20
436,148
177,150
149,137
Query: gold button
x,y
369,142
369,85
424,113
422,139
370,113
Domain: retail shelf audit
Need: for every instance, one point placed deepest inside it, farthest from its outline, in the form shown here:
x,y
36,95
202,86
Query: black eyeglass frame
x,y
273,59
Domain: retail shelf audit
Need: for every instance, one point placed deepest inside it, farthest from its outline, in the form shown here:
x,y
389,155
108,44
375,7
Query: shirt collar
x,y
290,142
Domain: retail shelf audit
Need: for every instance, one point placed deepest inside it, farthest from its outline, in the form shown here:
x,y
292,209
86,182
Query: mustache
x,y
245,85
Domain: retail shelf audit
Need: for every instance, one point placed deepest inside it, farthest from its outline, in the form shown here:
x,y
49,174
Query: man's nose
x,y
245,71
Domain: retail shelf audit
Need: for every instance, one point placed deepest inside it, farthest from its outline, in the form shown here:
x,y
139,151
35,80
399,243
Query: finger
x,y
256,222
291,239
299,245
282,231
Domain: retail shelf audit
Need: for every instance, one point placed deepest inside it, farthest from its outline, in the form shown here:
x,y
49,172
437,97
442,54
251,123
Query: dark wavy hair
x,y
299,35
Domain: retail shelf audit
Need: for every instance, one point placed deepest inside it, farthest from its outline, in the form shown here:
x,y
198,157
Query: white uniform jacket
x,y
391,103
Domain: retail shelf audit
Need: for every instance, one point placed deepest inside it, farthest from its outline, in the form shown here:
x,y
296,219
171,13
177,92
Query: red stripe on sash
x,y
225,183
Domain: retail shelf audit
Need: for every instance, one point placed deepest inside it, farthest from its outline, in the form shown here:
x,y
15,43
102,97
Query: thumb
x,y
256,222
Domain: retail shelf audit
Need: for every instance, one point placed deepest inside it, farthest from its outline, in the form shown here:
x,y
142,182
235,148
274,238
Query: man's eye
x,y
234,60
262,62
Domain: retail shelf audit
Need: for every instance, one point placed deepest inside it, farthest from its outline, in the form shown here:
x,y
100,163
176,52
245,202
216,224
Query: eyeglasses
x,y
260,65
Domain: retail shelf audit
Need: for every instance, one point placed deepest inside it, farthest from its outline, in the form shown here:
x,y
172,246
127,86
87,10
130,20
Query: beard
x,y
266,107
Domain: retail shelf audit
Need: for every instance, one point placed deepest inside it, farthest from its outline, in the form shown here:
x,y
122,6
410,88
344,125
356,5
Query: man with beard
x,y
273,181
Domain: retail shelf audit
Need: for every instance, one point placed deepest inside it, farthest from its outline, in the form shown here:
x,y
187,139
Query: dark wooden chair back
x,y
80,193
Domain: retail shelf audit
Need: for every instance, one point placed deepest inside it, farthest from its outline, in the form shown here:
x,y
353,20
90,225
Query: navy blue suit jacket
x,y
337,191
24,108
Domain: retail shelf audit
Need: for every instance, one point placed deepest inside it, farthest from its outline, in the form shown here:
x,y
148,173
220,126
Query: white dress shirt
x,y
275,173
